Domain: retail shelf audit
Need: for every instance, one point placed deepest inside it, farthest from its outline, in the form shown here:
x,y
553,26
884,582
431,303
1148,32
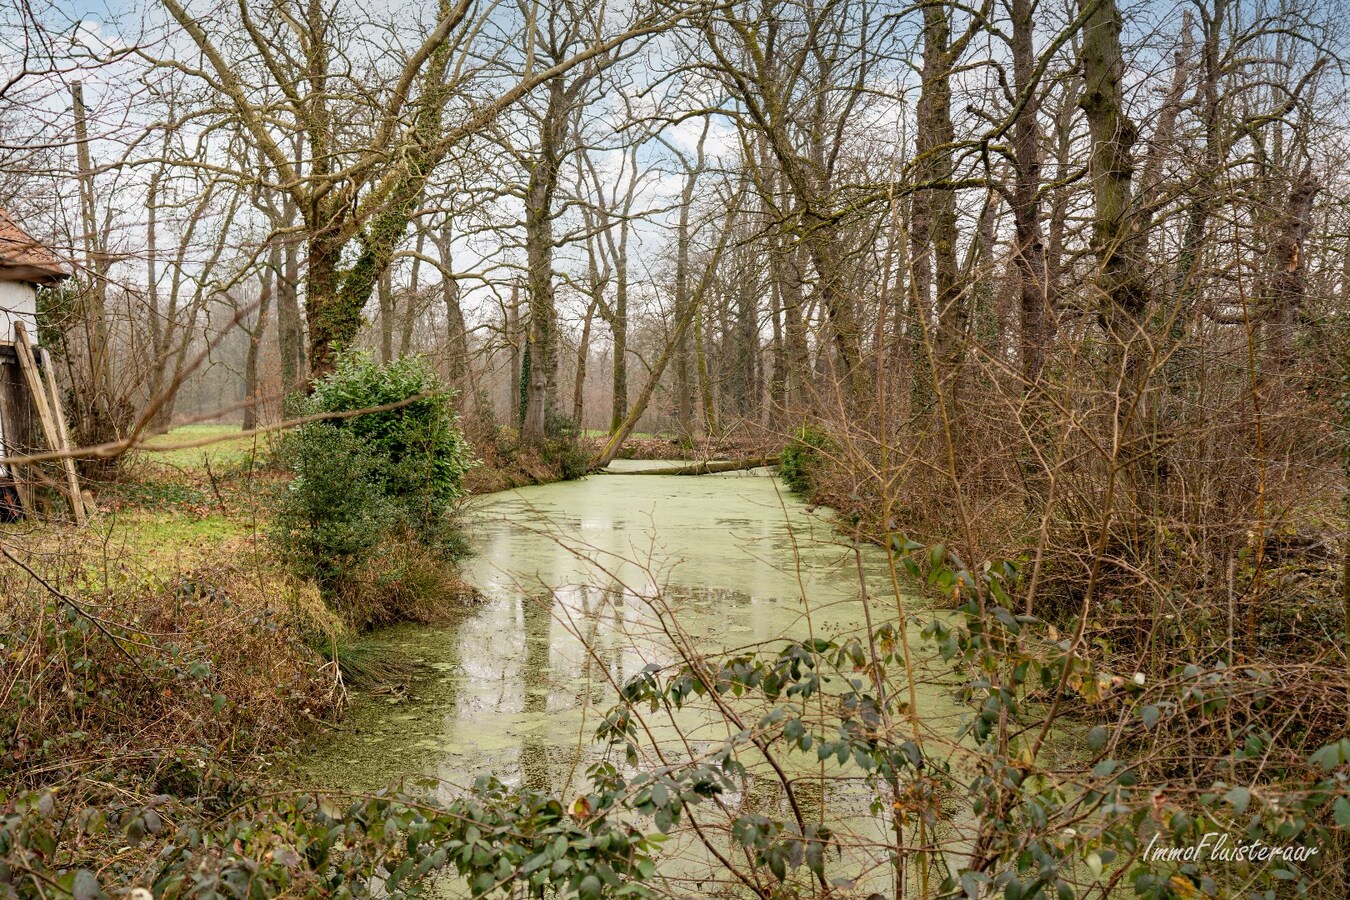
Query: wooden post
x,y
63,432
57,438
11,428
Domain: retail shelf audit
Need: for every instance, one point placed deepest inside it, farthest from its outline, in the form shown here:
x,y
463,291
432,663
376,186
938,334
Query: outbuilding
x,y
31,414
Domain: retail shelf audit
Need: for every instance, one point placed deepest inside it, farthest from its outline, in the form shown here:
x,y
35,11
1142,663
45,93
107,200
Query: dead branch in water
x,y
704,467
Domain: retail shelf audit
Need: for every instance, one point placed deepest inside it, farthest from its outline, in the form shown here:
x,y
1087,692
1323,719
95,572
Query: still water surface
x,y
583,584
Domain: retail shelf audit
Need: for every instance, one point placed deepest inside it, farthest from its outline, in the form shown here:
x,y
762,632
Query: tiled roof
x,y
24,259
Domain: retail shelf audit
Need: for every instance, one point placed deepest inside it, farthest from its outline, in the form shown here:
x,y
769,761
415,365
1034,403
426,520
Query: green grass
x,y
226,447
162,543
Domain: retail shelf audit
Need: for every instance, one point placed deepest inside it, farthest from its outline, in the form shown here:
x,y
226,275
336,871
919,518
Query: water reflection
x,y
584,584
537,612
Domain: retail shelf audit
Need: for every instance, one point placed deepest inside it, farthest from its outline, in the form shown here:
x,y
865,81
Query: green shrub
x,y
563,448
421,454
335,512
366,484
801,459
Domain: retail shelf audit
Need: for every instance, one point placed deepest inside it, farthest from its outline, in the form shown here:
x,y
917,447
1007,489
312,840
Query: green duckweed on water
x,y
584,583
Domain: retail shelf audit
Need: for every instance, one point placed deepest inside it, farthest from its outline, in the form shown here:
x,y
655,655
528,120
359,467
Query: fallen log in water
x,y
705,467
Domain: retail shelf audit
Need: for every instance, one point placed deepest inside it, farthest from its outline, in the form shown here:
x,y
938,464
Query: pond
x,y
583,584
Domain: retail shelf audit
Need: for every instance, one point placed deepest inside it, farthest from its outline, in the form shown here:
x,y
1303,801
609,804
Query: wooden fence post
x,y
53,429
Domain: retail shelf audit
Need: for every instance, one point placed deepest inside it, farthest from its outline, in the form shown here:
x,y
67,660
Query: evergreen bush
x,y
335,512
391,471
801,458
564,448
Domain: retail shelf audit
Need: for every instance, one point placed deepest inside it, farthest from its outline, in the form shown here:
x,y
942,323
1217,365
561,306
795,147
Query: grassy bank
x,y
154,666
158,663
154,661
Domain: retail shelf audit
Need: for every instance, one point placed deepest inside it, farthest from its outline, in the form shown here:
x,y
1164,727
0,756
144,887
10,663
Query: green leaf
x,y
589,889
86,886
1150,715
1341,810
1238,798
1097,737
815,857
1329,757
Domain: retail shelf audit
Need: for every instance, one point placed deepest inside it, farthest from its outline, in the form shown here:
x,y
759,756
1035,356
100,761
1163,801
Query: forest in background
x,y
1047,298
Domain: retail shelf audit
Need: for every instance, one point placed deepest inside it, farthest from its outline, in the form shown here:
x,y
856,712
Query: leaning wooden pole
x,y
63,433
54,432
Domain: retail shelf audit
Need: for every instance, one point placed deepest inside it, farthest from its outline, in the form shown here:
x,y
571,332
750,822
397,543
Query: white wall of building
x,y
18,303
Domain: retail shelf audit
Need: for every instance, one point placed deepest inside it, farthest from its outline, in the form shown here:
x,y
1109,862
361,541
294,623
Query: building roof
x,y
23,258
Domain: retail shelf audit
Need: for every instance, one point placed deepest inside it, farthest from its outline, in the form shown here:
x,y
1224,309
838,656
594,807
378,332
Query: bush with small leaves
x,y
801,459
335,512
405,421
387,467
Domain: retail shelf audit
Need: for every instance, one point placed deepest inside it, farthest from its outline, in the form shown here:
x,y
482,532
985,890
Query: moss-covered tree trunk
x,y
542,387
935,231
1117,240
331,323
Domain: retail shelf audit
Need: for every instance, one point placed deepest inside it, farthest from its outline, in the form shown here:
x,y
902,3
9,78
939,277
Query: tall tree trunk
x,y
159,328
270,275
777,413
411,309
745,351
386,299
1057,224
934,140
541,389
896,335
97,422
457,338
583,356
514,339
290,333
824,251
1034,296
789,260
1186,286
1116,238
619,328
985,323
332,324
684,397
704,378
1285,292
